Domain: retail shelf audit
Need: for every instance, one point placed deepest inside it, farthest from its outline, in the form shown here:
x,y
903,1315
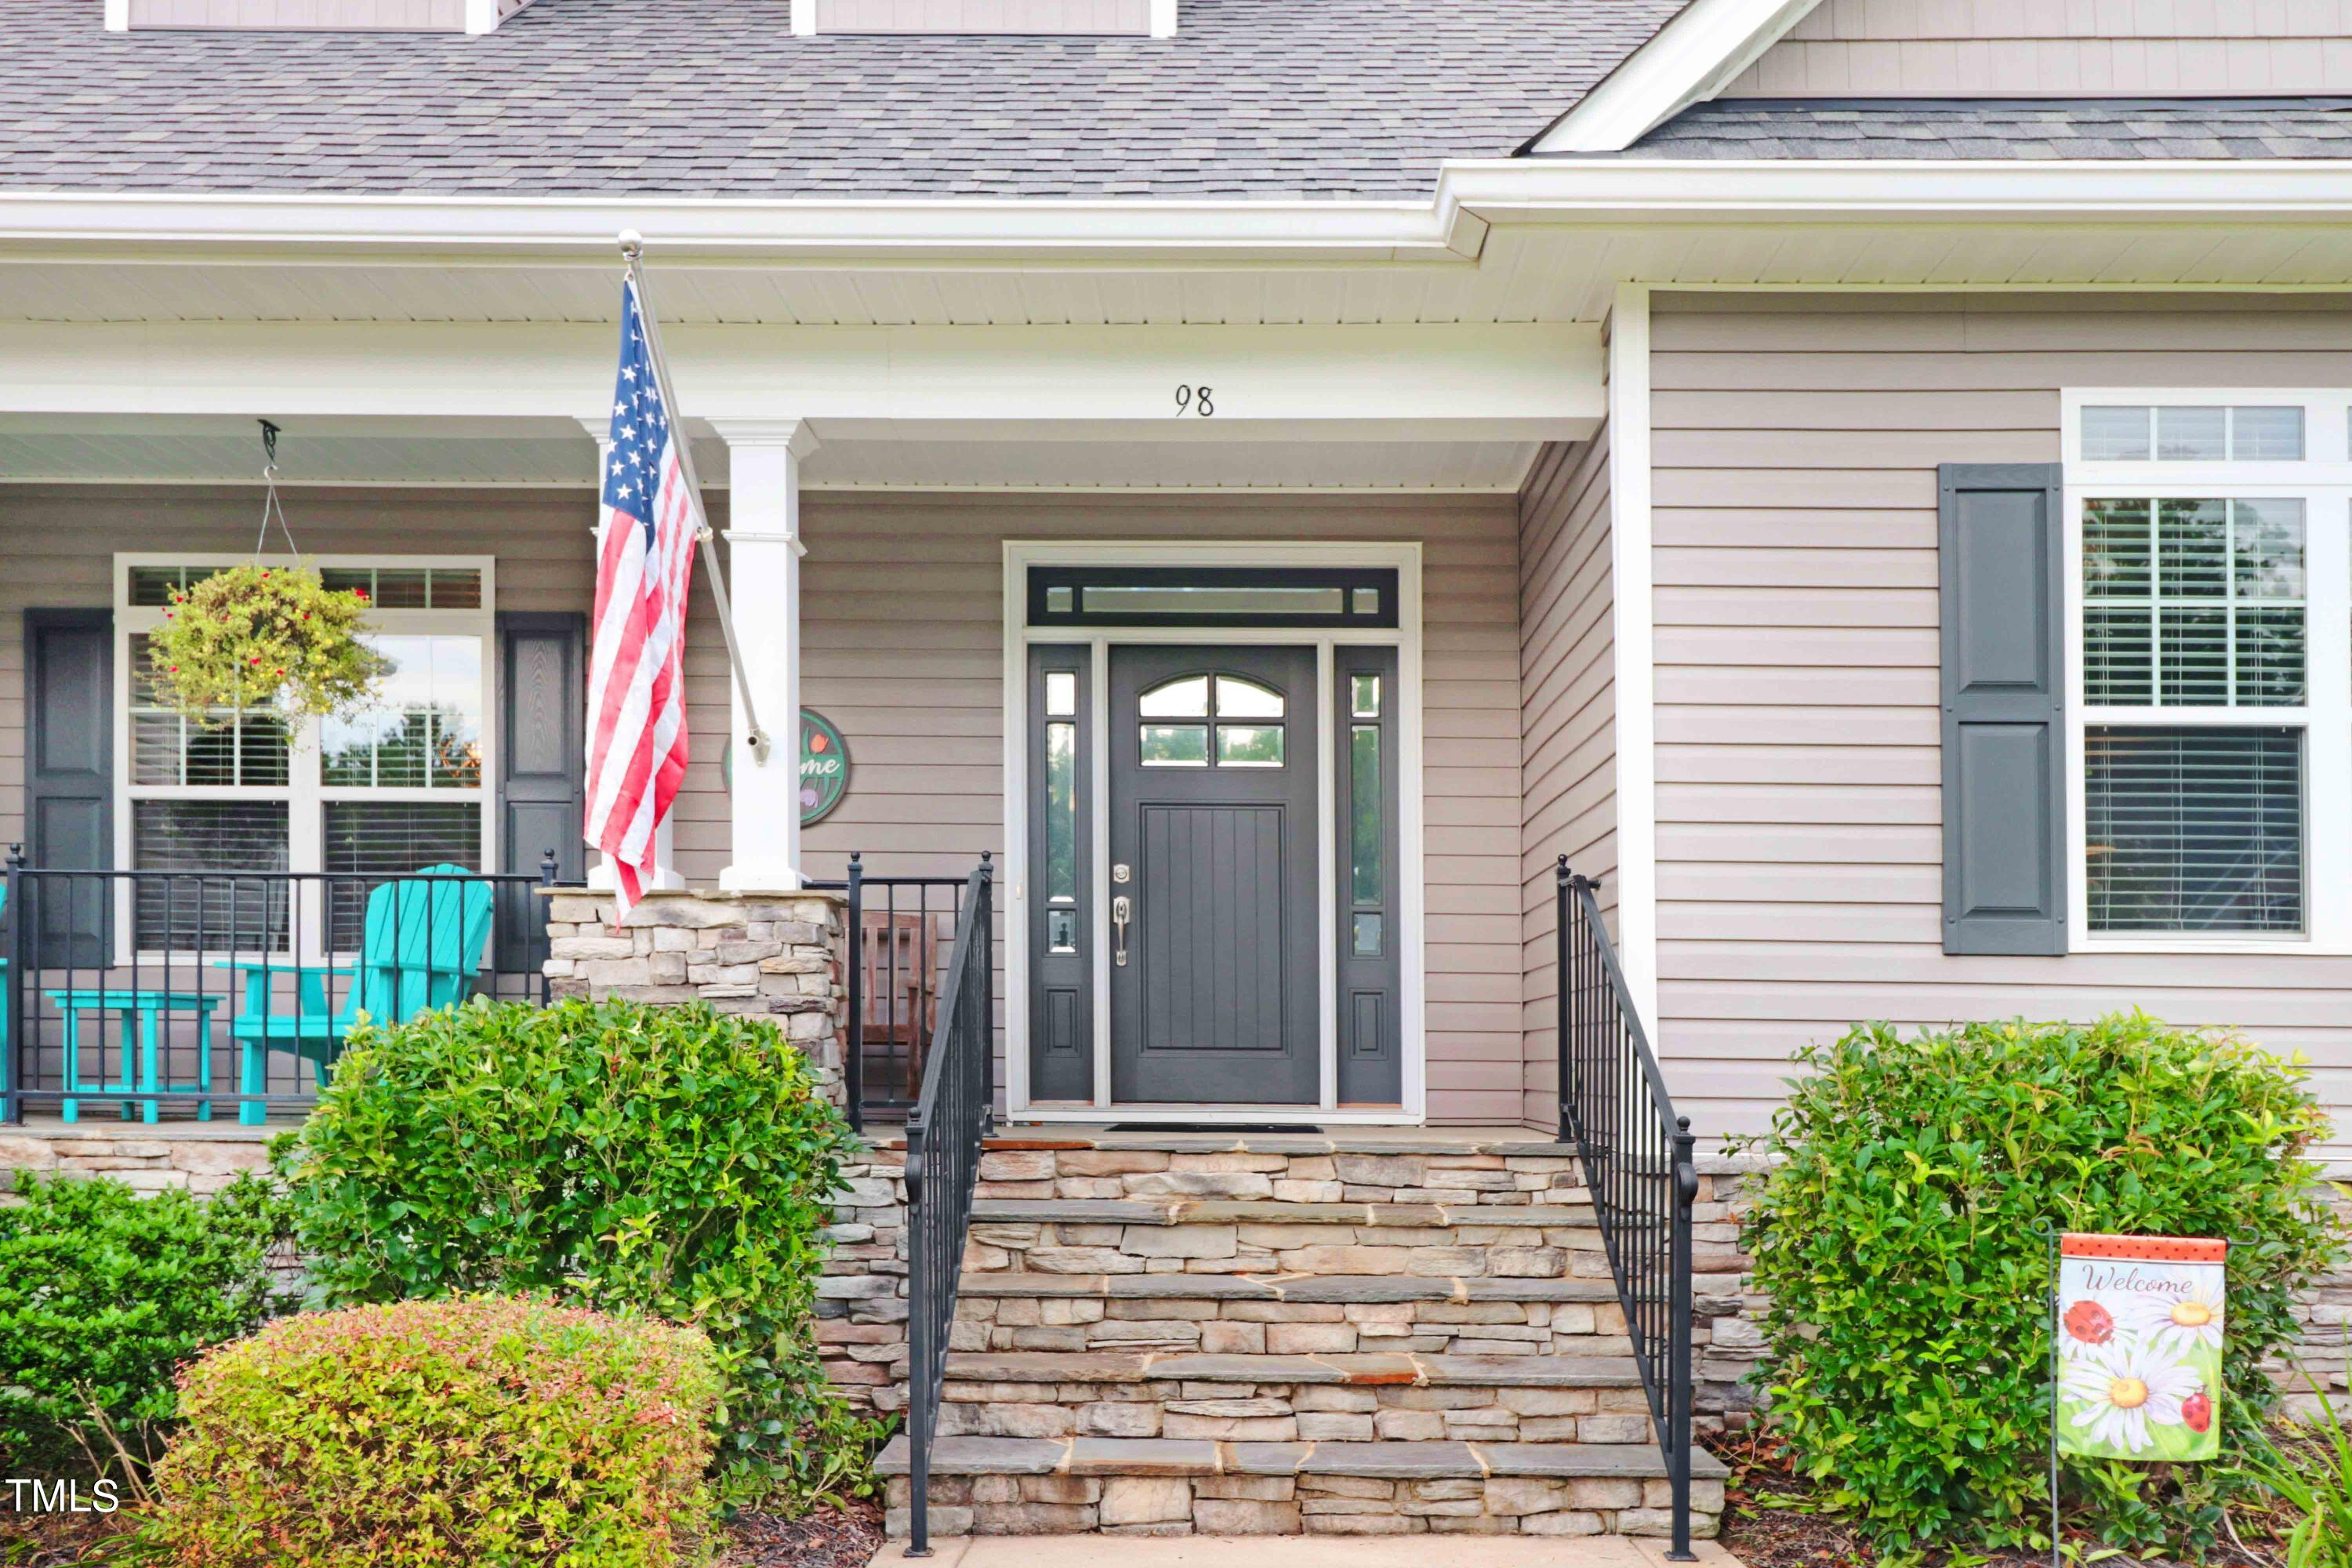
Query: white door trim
x,y
1406,559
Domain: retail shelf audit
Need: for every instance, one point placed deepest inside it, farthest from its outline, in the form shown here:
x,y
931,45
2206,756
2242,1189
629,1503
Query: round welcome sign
x,y
824,767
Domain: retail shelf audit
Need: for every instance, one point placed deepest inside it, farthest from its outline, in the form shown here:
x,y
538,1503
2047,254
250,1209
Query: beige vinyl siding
x,y
306,15
901,632
1883,49
981,16
1568,713
59,542
1798,777
902,640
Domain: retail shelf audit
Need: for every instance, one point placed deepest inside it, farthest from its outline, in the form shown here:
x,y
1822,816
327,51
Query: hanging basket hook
x,y
269,504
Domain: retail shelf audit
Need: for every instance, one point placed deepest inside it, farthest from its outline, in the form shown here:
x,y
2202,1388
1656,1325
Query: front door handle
x,y
1121,912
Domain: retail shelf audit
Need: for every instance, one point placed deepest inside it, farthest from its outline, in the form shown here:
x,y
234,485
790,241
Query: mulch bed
x,y
825,1537
1781,1532
52,1541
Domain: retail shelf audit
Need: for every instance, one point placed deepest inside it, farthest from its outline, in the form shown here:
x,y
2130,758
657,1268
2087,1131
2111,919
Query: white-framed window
x,y
2208,679
408,783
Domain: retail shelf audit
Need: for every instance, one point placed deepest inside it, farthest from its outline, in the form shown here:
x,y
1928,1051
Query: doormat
x,y
1209,1127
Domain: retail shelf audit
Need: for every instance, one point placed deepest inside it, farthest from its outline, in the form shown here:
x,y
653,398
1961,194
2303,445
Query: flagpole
x,y
631,246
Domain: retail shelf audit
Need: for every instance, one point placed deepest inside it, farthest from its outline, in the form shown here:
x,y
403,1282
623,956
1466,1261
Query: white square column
x,y
764,573
602,877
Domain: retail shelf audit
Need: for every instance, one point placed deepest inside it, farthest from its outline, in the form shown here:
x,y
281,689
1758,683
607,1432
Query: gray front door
x,y
1213,824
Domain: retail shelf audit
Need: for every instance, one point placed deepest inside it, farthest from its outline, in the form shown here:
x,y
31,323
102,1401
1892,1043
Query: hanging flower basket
x,y
257,636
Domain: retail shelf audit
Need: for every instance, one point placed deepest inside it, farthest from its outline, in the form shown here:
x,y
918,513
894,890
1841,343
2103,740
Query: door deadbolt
x,y
1118,873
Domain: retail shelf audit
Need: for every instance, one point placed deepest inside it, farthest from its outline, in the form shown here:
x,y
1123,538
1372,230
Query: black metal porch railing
x,y
229,995
900,936
1636,1153
944,1137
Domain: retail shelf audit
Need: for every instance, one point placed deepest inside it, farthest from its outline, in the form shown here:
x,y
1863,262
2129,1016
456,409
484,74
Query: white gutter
x,y
1449,226
557,226
1863,189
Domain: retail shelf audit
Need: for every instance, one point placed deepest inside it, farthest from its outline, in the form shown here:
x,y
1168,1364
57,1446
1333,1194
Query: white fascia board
x,y
1862,191
1691,58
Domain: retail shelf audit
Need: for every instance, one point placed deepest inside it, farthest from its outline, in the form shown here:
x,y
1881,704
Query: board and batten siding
x,y
1799,876
902,647
2029,48
1568,713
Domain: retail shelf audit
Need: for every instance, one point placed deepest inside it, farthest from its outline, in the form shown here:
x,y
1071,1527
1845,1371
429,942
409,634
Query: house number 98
x,y
1194,400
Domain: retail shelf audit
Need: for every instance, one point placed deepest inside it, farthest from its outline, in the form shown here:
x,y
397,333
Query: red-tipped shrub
x,y
489,1434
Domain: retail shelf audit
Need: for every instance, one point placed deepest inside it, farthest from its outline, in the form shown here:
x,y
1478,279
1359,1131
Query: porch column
x,y
763,579
601,875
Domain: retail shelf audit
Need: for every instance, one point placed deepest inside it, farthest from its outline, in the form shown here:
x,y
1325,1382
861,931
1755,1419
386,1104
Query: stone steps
x,y
1339,1289
1270,1333
1176,1209
995,1486
1225,1236
1246,1314
1526,1399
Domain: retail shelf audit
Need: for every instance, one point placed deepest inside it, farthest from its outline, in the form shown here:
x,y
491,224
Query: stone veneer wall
x,y
775,955
148,1159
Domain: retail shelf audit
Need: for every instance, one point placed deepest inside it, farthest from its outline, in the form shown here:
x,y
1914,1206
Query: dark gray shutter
x,y
1999,539
542,746
70,774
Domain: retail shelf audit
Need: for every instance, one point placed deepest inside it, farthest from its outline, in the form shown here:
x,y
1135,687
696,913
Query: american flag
x,y
645,564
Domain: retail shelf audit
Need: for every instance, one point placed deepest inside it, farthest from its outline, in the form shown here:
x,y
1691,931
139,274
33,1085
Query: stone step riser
x,y
1307,1504
1285,1327
1462,1251
1285,1413
1457,1176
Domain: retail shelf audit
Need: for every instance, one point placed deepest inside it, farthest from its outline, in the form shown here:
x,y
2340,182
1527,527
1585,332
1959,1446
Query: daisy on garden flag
x,y
651,520
2140,1346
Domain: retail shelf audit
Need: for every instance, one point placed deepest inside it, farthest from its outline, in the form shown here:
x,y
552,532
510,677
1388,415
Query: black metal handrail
x,y
944,1137
1638,1166
893,953
227,993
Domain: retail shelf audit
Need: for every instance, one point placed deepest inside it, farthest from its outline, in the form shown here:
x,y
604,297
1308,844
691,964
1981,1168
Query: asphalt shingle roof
x,y
1342,99
1956,128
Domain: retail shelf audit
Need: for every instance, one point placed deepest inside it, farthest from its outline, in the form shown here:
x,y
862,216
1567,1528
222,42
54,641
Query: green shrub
x,y
480,1434
1908,1338
676,1160
103,1293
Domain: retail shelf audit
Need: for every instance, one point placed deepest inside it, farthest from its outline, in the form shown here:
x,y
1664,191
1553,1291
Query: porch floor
x,y
1500,1139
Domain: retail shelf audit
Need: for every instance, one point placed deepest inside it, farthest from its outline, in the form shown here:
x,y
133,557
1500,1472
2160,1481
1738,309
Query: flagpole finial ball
x,y
632,242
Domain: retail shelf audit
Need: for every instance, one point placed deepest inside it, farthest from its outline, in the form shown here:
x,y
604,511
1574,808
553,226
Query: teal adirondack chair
x,y
420,947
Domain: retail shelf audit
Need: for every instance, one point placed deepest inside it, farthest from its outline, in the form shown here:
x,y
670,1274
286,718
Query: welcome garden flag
x,y
2139,1347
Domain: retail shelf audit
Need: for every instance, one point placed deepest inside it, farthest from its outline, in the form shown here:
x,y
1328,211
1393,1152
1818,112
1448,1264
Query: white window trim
x,y
1412,957
2323,480
306,803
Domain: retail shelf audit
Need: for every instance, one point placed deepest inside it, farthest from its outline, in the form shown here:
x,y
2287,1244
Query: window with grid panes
x,y
398,786
2212,728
